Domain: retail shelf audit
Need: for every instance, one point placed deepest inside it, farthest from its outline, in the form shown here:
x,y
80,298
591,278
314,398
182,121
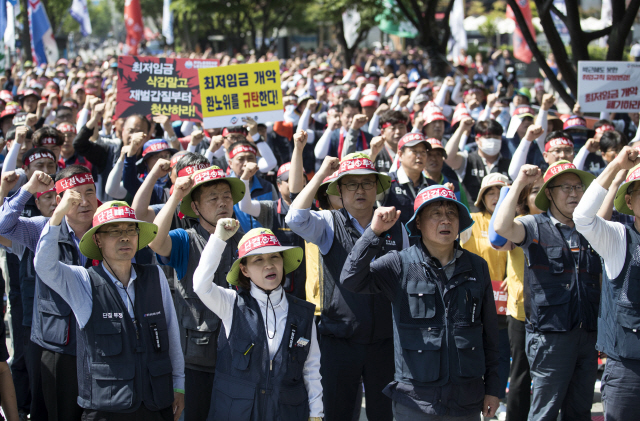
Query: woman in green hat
x,y
268,364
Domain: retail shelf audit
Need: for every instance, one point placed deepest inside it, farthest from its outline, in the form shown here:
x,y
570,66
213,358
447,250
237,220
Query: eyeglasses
x,y
562,151
566,188
129,232
366,185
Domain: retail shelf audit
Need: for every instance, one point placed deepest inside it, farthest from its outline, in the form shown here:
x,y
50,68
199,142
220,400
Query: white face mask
x,y
490,146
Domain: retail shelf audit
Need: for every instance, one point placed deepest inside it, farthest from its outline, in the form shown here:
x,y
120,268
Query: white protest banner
x,y
608,86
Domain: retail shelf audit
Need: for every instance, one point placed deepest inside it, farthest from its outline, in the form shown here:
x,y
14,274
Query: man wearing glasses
x,y
408,180
561,291
356,329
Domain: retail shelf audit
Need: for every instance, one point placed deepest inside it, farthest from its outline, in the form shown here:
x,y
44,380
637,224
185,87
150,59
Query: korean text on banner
x,y
500,297
608,86
230,94
151,85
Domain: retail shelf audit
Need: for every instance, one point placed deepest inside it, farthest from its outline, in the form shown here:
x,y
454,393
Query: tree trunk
x,y
620,31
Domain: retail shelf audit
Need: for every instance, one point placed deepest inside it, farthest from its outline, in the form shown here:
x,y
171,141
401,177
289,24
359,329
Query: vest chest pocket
x,y
556,265
108,338
421,296
241,354
421,349
112,385
470,351
293,403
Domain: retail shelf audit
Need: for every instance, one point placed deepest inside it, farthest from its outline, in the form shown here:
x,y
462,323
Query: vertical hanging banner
x,y
230,94
521,50
167,86
43,46
134,26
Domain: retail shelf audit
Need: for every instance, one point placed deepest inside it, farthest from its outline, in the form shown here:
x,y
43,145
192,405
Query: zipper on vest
x,y
579,292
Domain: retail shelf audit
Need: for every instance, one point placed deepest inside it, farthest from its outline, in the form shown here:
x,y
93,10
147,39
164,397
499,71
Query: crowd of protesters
x,y
283,270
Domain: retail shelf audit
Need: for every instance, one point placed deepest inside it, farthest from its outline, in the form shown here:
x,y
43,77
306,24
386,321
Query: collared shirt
x,y
403,179
73,284
570,235
76,240
317,227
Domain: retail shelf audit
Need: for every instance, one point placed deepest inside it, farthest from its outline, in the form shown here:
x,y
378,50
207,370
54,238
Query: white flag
x,y
80,13
10,31
351,26
167,22
458,38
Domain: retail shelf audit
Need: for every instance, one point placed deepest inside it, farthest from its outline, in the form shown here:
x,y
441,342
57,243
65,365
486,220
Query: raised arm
x,y
296,181
606,209
520,155
247,204
10,162
217,299
505,223
142,199
115,186
162,243
71,282
455,158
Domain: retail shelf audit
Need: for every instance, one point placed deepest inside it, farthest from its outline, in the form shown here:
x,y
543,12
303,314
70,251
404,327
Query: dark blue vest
x,y
475,172
560,294
437,323
249,385
619,319
402,196
294,281
363,318
119,368
54,324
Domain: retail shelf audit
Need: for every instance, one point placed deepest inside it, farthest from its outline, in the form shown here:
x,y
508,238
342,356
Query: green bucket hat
x,y
356,164
114,212
619,202
556,169
212,174
263,241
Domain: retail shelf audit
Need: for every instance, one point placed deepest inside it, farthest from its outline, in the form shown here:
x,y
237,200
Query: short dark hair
x,y
351,103
525,99
488,127
190,158
71,170
32,151
64,108
557,134
392,116
48,131
612,139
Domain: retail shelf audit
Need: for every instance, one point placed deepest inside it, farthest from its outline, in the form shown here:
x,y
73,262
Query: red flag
x,y
134,25
521,50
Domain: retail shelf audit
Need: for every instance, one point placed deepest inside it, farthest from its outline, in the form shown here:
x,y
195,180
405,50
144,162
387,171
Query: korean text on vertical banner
x,y
154,86
608,86
230,94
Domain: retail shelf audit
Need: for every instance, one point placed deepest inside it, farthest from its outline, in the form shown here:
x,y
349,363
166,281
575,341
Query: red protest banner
x,y
521,50
154,86
500,297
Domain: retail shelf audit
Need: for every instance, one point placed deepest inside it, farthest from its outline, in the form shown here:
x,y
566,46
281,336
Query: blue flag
x,y
80,13
43,46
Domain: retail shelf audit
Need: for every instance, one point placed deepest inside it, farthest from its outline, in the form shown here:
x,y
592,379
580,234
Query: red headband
x,y
605,128
73,181
390,124
556,169
39,155
283,169
155,147
357,164
113,213
67,128
242,148
259,241
208,175
558,141
45,192
48,141
633,176
192,169
433,194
